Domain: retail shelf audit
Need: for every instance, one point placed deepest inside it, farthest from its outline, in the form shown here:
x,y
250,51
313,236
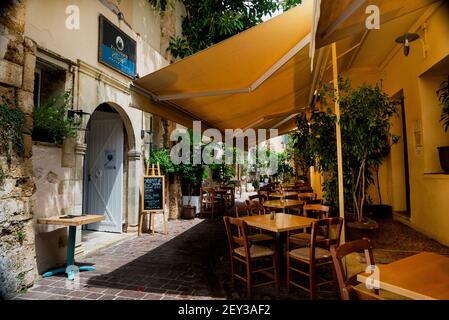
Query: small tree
x,y
299,145
366,112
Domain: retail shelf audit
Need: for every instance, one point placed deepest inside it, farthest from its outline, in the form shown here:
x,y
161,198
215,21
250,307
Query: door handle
x,y
89,177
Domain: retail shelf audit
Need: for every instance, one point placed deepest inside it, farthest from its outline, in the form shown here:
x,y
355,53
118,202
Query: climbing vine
x,y
11,122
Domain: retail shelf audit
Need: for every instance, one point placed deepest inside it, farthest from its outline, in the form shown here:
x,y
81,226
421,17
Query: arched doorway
x,y
105,168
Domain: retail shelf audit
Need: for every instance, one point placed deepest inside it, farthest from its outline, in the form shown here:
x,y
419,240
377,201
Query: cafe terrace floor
x,y
191,262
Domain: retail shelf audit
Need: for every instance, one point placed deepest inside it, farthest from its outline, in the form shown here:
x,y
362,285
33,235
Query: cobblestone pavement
x,y
175,266
192,262
189,263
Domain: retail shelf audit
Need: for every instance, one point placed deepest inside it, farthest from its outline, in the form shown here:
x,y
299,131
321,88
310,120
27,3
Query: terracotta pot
x,y
444,158
188,212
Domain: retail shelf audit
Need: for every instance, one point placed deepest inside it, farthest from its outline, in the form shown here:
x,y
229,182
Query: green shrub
x,y
51,123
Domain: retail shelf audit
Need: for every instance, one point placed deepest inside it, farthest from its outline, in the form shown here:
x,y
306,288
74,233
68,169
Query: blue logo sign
x,y
116,49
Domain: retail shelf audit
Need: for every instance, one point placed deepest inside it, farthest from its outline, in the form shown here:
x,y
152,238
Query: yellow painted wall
x,y
429,192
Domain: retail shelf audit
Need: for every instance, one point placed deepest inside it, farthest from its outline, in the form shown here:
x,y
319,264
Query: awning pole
x,y
341,199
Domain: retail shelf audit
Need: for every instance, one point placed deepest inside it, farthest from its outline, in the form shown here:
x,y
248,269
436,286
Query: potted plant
x,y
50,121
191,180
443,97
366,140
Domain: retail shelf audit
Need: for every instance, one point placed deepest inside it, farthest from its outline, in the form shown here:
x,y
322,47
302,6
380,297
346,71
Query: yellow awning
x,y
367,50
259,78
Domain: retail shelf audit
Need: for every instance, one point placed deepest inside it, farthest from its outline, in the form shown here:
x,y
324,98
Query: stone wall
x,y
17,64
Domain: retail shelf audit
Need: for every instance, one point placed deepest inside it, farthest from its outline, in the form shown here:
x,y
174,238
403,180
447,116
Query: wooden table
x,y
284,195
422,276
72,222
281,222
283,204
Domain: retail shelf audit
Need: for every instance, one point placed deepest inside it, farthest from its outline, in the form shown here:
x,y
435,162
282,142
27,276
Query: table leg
x,y
70,270
280,251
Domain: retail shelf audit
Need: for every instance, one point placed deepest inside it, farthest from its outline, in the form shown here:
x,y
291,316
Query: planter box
x,y
194,202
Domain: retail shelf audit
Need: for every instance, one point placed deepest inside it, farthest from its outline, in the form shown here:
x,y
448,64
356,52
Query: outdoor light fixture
x,y
80,115
406,39
142,133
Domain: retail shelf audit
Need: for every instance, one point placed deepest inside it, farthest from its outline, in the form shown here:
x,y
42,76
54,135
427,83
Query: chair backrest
x,y
263,196
339,252
249,210
254,199
323,210
207,194
328,240
306,196
237,232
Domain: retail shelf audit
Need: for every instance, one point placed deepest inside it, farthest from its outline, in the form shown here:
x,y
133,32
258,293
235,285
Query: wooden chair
x,y
257,199
314,211
249,255
307,196
315,256
258,235
229,197
208,201
347,284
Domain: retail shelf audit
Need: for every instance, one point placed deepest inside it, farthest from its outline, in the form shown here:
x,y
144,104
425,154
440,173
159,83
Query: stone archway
x,y
129,190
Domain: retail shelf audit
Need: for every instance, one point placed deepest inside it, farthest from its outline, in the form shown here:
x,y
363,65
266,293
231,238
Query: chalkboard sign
x,y
153,195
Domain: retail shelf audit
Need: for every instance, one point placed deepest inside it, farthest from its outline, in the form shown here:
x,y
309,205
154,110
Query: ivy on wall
x,y
11,122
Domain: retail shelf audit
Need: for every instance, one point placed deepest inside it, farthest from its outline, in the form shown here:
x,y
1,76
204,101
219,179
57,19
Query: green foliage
x,y
160,5
2,176
209,21
366,140
222,173
11,122
162,156
21,236
443,97
285,170
51,121
299,146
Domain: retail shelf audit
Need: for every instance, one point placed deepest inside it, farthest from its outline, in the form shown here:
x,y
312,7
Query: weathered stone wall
x,y
17,64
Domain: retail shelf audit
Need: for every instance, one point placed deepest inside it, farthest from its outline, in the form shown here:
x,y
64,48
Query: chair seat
x,y
304,253
255,251
304,236
260,237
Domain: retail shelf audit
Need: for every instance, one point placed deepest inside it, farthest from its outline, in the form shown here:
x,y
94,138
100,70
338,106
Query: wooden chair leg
x,y
249,282
288,272
276,273
139,230
165,223
152,223
312,281
232,273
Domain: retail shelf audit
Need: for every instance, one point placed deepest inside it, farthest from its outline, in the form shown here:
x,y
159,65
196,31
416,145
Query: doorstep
x,y
92,241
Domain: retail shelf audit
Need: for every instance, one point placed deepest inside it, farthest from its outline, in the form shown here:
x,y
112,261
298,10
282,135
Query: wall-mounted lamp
x,y
143,132
78,118
406,39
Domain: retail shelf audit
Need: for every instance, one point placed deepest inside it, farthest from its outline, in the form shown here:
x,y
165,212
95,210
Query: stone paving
x,y
192,262
175,266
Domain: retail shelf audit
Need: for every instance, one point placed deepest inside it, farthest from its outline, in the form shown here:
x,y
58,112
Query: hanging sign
x,y
116,49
